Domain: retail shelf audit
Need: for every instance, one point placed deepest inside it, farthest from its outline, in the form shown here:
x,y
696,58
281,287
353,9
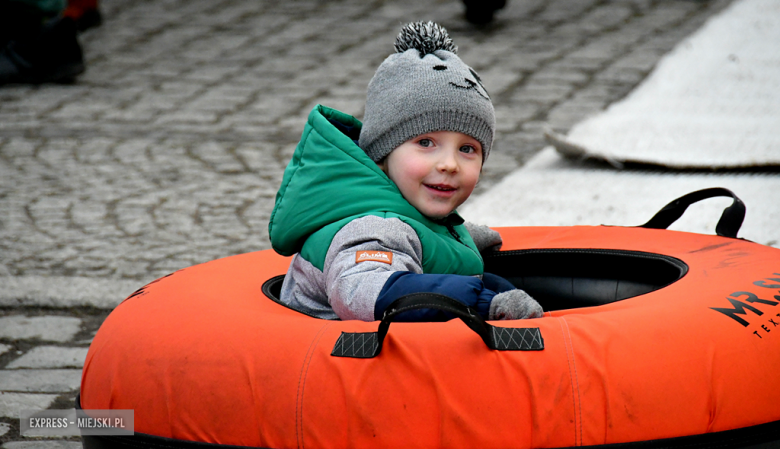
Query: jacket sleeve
x,y
363,289
361,258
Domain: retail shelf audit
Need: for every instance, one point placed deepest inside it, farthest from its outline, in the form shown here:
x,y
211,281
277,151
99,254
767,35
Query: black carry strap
x,y
366,345
729,222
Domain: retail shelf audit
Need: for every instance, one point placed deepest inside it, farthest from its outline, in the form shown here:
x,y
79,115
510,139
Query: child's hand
x,y
484,237
514,305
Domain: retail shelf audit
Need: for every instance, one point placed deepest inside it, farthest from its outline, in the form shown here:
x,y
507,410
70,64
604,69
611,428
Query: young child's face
x,y
437,171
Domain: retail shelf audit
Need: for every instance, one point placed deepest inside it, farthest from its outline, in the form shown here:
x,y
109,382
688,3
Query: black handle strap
x,y
369,344
729,222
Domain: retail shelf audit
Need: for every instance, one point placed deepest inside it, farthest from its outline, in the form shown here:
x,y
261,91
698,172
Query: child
x,y
368,209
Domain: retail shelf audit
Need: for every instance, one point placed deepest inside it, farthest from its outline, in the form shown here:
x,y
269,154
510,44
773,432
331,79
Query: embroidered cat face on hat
x,y
424,87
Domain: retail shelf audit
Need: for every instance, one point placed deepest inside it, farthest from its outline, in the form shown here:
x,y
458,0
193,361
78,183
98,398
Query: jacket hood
x,y
329,178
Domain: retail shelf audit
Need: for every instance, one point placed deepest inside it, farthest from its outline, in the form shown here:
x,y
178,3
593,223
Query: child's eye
x,y
468,149
425,143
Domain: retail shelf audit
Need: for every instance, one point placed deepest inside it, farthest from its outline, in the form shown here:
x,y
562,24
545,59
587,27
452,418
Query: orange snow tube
x,y
652,338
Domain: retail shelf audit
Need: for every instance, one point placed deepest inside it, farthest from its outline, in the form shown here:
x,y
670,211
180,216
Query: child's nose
x,y
448,162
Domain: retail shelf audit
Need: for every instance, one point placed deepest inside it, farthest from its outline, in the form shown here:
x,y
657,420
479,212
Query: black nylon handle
x,y
434,301
728,225
369,344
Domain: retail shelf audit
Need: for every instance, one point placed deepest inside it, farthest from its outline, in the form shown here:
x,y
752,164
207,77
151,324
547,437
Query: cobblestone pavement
x,y
168,151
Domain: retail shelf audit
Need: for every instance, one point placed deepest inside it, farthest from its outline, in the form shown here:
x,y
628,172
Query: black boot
x,y
480,12
19,21
91,18
52,55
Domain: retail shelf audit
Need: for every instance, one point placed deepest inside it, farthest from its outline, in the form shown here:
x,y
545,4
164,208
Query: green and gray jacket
x,y
335,202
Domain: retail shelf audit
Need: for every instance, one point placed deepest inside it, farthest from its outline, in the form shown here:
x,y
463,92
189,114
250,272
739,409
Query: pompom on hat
x,y
424,87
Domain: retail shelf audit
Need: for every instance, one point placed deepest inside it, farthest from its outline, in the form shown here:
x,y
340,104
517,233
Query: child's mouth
x,y
440,188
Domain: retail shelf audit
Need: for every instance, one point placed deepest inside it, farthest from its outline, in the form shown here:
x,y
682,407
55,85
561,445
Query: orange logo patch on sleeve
x,y
374,256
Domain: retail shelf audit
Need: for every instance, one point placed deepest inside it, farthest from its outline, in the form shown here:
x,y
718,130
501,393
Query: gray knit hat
x,y
424,87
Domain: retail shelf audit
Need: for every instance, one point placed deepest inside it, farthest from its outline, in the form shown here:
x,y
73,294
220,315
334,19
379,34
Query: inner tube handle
x,y
727,226
369,344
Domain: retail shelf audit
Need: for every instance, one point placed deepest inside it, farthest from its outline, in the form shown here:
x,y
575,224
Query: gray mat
x,y
713,101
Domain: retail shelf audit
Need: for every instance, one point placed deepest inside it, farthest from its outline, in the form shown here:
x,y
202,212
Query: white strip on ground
x,y
714,101
553,191
55,291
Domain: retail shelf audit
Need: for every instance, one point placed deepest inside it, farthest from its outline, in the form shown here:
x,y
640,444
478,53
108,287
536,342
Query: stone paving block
x,y
558,75
638,60
599,50
58,254
586,65
250,126
90,266
190,116
620,75
40,381
498,164
278,107
217,156
610,91
497,79
213,73
515,11
16,126
50,357
606,16
560,10
180,88
18,116
13,403
155,101
542,94
82,110
4,428
47,328
96,151
19,147
42,444
510,117
521,144
86,215
351,106
133,151
565,115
